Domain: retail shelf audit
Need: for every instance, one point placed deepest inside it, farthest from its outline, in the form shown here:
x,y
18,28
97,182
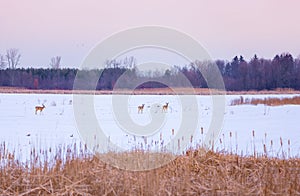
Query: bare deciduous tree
x,y
13,58
55,62
2,62
127,62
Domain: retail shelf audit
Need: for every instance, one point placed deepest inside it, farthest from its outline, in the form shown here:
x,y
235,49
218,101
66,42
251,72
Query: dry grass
x,y
148,91
196,173
270,101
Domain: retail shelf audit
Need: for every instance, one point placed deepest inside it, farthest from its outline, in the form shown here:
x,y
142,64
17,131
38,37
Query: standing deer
x,y
39,108
165,107
141,108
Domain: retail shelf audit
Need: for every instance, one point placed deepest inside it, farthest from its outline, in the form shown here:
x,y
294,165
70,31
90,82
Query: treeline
x,y
283,71
38,78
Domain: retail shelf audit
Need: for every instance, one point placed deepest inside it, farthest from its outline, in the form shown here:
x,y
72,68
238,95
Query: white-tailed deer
x,y
39,108
165,107
141,108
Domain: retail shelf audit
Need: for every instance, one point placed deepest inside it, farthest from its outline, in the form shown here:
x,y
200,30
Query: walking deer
x,y
39,108
165,107
141,108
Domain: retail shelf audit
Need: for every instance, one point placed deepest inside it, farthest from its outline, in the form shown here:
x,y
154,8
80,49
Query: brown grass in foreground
x,y
192,174
270,101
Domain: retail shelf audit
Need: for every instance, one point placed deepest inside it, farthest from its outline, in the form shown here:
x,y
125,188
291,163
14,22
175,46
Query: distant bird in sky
x,y
71,135
28,134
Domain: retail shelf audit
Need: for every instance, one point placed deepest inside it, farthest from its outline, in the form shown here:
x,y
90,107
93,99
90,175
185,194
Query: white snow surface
x,y
22,130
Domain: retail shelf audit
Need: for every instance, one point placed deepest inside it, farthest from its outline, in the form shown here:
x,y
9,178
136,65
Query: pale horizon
x,y
70,29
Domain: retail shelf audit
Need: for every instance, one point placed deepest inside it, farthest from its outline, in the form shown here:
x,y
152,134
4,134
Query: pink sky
x,y
70,28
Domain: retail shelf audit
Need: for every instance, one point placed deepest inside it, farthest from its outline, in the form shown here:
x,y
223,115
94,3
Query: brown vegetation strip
x,y
270,101
146,91
193,174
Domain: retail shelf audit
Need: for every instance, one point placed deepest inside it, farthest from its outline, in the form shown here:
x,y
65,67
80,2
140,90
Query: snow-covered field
x,y
21,129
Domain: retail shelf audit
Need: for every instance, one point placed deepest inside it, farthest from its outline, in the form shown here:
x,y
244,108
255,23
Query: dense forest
x,y
283,71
